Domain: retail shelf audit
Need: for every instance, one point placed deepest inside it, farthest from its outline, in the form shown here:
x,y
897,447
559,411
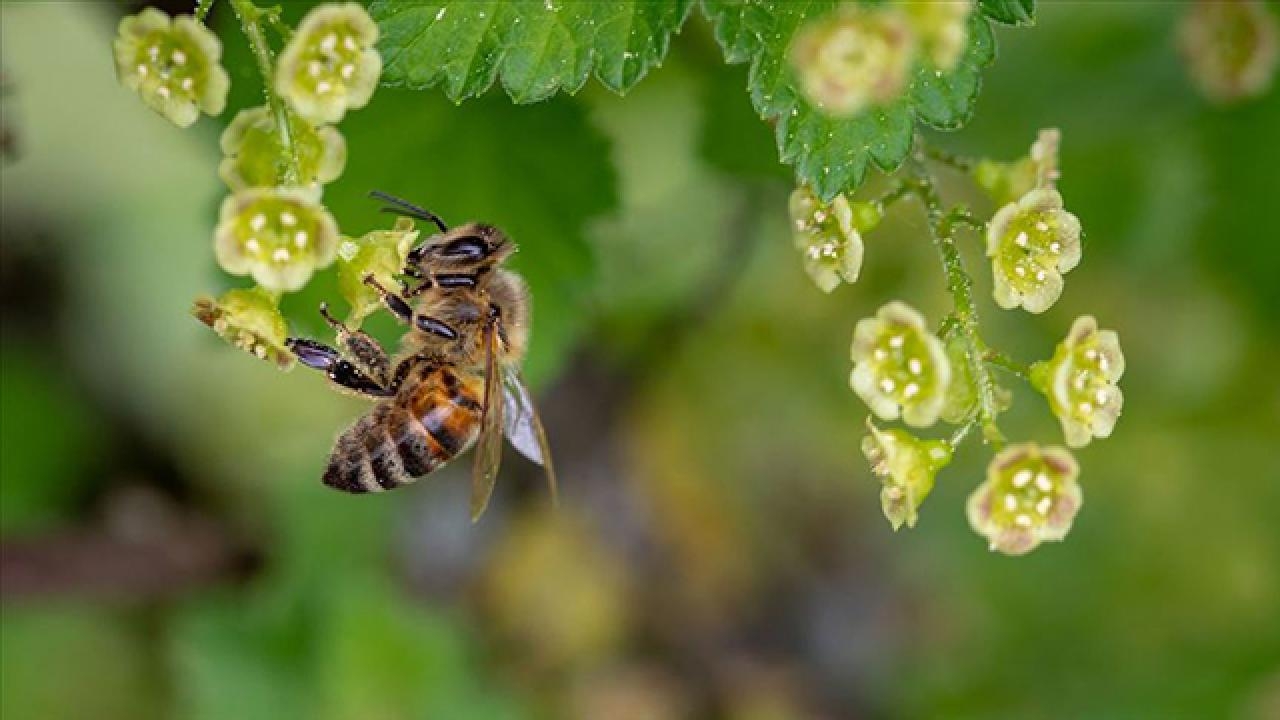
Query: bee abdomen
x,y
383,450
359,462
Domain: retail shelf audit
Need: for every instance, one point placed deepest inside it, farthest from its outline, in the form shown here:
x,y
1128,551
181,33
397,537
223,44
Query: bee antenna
x,y
408,209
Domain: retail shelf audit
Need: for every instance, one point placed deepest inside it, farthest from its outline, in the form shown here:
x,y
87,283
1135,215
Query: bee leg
x,y
343,373
360,348
408,292
394,303
435,326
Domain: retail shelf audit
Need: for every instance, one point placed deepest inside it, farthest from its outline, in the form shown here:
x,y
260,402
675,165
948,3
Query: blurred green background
x,y
169,552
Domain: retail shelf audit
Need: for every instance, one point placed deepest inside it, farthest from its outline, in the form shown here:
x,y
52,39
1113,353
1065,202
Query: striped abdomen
x,y
426,426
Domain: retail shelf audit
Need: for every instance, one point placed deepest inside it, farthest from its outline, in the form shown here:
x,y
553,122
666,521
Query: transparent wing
x,y
489,447
523,426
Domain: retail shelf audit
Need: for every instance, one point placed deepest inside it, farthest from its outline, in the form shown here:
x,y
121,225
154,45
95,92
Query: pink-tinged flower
x,y
1231,48
250,320
899,366
173,65
254,156
280,236
1031,243
853,58
1030,496
330,65
906,465
1080,381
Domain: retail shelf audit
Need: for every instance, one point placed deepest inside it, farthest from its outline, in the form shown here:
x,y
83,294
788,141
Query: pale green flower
x,y
1006,182
1231,48
1031,242
250,320
906,466
1080,381
173,65
254,156
380,253
280,236
853,58
899,366
1030,496
330,65
829,236
943,29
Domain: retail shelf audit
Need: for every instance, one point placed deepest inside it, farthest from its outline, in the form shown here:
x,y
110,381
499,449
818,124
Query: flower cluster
x,y
173,64
902,369
899,366
857,57
830,236
1080,381
277,158
1030,496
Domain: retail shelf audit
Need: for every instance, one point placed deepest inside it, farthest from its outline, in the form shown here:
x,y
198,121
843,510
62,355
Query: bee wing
x,y
523,426
489,447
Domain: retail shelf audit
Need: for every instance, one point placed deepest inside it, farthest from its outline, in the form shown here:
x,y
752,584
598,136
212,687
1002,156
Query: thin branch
x,y
901,189
963,431
250,16
951,160
960,286
272,16
963,218
995,358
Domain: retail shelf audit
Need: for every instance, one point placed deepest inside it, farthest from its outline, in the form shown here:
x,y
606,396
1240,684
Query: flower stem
x,y
962,432
272,16
942,228
998,359
250,16
951,160
899,191
202,9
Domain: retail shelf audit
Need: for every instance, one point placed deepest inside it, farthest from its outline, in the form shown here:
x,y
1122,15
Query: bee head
x,y
463,248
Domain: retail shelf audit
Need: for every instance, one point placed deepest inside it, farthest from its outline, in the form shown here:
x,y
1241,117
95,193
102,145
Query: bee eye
x,y
468,248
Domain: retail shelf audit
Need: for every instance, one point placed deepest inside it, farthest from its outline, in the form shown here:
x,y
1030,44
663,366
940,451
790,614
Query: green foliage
x,y
1010,12
67,662
37,466
536,47
328,650
832,153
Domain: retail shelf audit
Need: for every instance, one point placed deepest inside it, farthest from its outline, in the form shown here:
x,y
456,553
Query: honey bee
x,y
454,384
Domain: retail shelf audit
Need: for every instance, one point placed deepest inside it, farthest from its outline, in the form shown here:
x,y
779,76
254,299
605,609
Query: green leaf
x,y
829,153
1010,12
536,47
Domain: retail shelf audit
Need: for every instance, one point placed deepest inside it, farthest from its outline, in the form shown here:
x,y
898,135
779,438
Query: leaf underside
x,y
829,153
536,48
